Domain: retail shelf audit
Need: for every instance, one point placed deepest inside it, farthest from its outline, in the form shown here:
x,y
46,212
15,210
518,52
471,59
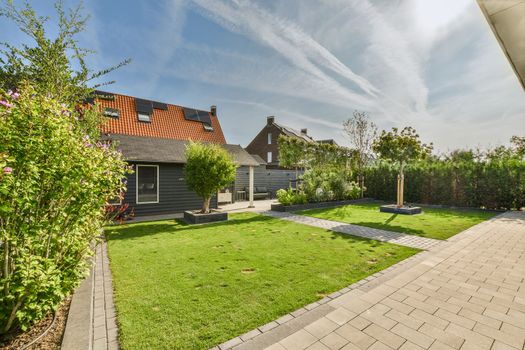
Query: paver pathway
x,y
361,231
468,294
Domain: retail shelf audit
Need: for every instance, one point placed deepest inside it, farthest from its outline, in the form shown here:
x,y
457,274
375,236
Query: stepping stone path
x,y
360,231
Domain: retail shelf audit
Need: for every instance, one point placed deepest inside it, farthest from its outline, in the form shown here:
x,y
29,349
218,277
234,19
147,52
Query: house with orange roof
x,y
153,136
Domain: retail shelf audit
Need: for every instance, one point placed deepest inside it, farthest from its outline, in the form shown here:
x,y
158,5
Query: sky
x,y
431,64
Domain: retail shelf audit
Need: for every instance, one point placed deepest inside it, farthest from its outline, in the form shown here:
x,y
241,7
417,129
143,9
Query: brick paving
x,y
105,331
468,294
360,231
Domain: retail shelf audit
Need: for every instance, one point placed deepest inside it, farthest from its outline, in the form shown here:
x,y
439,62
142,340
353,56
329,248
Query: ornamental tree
x,y
55,65
361,132
401,148
209,168
55,180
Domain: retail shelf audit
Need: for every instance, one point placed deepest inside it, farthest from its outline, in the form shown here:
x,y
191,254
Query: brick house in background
x,y
153,137
265,144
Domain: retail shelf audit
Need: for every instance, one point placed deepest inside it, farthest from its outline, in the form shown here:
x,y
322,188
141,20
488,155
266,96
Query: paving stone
x,y
334,341
355,336
446,338
318,346
298,340
321,327
412,335
384,336
341,316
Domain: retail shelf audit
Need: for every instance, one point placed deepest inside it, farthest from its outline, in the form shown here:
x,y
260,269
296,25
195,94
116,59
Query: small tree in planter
x,y
401,148
209,168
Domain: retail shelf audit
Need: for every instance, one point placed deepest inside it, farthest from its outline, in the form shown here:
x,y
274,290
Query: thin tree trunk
x,y
206,205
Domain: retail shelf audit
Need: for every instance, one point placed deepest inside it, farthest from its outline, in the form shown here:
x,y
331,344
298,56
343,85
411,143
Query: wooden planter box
x,y
298,207
192,217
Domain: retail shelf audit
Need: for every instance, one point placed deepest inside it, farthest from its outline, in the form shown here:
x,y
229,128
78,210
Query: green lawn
x,y
193,287
432,223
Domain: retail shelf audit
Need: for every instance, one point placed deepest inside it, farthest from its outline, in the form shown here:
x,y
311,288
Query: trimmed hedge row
x,y
494,184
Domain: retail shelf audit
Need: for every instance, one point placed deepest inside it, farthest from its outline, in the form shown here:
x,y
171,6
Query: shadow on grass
x,y
262,224
174,226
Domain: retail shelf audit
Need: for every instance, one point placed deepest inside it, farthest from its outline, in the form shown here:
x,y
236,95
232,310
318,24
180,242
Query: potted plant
x,y
209,168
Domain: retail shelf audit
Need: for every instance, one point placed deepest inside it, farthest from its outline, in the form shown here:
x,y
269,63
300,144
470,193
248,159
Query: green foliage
x,y
209,168
401,147
291,197
55,66
463,179
55,180
298,153
328,184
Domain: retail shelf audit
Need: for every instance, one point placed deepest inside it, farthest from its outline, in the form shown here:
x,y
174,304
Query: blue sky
x,y
434,65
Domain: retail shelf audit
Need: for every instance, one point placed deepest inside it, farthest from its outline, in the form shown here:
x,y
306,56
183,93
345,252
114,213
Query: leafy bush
x,y
208,169
464,181
329,183
54,182
291,197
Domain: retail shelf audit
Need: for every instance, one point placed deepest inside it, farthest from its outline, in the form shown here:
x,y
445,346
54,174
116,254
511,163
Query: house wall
x,y
174,195
260,146
272,179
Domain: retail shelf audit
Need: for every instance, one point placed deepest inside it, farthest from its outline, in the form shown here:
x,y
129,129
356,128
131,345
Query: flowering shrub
x,y
55,179
328,184
291,197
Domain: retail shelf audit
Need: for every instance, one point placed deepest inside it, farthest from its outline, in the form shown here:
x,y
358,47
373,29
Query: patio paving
x,y
360,231
468,293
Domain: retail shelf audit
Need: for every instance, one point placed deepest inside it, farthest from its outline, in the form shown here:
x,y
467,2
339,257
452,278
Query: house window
x,y
269,138
111,112
147,184
144,117
269,157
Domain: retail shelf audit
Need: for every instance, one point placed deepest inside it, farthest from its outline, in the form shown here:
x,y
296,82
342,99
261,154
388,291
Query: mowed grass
x,y
193,287
432,223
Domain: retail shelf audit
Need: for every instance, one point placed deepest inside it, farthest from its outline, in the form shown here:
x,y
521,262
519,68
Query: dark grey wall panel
x,y
272,179
174,195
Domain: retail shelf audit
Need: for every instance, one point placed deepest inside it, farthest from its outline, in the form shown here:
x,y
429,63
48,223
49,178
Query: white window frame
x,y
137,183
269,157
269,138
144,114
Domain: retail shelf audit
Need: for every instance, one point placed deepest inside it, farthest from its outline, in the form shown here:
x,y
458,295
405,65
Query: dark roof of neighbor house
x,y
166,120
258,159
292,132
165,150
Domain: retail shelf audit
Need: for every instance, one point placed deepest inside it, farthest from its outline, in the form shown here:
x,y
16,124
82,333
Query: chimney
x,y
213,111
270,120
304,131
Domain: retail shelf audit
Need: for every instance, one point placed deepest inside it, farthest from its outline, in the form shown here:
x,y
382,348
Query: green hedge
x,y
493,184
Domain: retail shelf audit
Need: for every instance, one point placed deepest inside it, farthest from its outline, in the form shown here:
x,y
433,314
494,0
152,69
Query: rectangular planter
x,y
192,217
394,209
298,207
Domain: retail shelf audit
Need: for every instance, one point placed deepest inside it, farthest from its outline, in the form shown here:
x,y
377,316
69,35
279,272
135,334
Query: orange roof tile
x,y
169,123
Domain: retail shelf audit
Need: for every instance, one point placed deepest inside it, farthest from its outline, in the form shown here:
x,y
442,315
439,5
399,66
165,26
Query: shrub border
x,y
296,207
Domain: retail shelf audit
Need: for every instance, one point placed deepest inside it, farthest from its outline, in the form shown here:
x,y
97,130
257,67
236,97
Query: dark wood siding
x,y
174,195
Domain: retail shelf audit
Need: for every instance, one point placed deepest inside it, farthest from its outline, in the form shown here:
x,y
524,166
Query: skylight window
x,y
111,112
144,117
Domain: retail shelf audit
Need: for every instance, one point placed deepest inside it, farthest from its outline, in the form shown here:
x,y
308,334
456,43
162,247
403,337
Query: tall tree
x,y
361,132
401,148
55,66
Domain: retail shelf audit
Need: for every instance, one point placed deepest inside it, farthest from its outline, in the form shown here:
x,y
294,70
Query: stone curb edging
x,y
91,322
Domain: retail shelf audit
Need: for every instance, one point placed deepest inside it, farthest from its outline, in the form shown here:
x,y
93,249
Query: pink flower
x,y
5,104
14,95
8,170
